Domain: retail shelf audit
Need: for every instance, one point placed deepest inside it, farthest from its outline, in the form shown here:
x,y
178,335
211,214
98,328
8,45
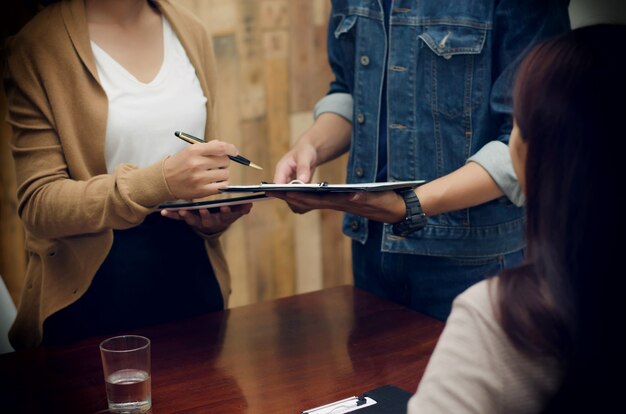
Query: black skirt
x,y
156,272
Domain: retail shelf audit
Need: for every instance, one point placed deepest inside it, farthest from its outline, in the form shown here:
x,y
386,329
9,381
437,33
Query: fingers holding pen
x,y
199,170
216,148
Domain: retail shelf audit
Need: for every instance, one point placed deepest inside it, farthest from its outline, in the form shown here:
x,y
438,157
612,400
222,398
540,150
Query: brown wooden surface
x,y
279,356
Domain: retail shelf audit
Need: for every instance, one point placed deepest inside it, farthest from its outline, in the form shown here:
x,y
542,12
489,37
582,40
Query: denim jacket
x,y
450,69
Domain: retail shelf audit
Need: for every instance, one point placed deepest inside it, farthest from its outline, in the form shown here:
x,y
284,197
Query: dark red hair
x,y
567,301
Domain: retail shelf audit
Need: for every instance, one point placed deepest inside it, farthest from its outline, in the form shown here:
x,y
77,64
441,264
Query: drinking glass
x,y
126,366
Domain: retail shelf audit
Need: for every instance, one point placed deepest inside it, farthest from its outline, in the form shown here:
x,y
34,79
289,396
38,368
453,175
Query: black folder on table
x,y
389,400
211,204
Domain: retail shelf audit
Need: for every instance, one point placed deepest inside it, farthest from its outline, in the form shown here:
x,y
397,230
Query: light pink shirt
x,y
476,369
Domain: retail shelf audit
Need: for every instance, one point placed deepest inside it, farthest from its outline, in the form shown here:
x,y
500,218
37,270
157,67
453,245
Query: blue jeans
x,y
427,284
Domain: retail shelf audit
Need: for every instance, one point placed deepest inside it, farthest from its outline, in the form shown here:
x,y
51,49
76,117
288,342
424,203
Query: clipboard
x,y
211,204
387,399
322,187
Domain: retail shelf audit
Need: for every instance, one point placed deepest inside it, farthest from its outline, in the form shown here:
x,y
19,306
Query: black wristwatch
x,y
415,218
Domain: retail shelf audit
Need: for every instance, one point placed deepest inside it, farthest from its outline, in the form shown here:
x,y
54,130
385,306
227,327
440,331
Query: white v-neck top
x,y
142,117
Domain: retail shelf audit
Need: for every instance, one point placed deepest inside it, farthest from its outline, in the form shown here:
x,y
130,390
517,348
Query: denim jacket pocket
x,y
456,67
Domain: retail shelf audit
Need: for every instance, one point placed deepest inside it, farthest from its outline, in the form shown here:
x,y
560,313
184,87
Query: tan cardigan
x,y
67,201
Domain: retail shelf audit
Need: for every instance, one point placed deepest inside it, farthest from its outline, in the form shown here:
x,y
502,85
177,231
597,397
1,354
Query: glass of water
x,y
126,366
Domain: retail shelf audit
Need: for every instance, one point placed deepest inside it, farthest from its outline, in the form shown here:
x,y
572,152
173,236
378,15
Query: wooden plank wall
x,y
271,57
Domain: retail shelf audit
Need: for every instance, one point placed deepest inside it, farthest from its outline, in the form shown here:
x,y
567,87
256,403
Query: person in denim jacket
x,y
422,91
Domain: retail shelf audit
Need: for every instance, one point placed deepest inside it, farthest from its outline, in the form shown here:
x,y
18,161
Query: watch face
x,y
409,225
401,228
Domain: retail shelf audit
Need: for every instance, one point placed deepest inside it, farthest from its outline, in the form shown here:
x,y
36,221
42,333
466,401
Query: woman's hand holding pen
x,y
199,170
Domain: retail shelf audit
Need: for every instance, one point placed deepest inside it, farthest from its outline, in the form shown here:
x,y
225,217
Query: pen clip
x,y
189,138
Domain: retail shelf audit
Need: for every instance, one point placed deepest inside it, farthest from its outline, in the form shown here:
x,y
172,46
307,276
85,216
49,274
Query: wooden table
x,y
280,356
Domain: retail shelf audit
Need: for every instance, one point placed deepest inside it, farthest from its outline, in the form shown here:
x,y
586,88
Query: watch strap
x,y
415,218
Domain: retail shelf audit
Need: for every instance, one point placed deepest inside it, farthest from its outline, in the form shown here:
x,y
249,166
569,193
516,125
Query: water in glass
x,y
128,391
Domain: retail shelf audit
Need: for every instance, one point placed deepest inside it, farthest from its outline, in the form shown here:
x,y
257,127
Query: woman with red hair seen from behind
x,y
548,336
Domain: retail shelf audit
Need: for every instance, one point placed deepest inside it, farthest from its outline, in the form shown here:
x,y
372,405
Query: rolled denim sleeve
x,y
496,160
338,103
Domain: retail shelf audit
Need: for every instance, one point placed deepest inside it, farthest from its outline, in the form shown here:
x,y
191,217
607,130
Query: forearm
x,y
496,160
466,187
329,136
65,207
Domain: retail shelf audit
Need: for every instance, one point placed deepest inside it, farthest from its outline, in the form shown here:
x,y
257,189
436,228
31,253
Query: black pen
x,y
237,158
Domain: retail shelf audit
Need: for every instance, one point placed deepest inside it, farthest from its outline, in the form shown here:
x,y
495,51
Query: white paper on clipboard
x,y
347,405
322,187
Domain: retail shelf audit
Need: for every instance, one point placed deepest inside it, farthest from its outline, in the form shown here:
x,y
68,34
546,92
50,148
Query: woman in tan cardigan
x,y
95,91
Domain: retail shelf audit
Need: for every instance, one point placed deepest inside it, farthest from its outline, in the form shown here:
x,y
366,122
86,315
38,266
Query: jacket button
x,y
360,118
354,225
358,171
365,60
